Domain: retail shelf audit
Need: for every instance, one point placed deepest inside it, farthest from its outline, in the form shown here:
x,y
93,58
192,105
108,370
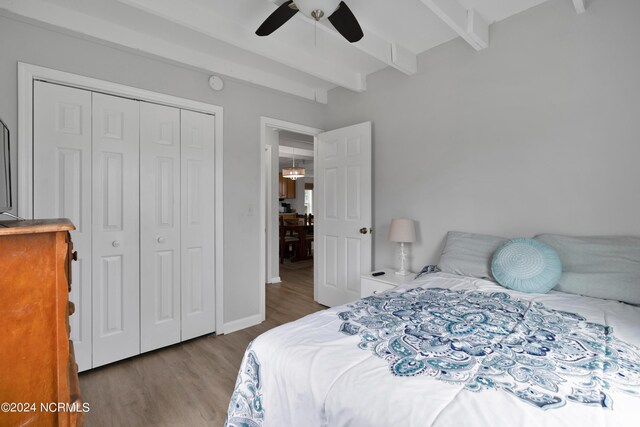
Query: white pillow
x,y
469,254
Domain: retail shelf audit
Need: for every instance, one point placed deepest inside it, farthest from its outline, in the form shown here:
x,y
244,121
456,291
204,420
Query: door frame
x,y
267,124
28,73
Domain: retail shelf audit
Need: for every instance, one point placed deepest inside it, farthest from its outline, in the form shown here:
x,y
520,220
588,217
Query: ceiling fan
x,y
336,11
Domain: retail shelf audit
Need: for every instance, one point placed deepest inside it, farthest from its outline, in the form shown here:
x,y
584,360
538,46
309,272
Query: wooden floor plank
x,y
190,384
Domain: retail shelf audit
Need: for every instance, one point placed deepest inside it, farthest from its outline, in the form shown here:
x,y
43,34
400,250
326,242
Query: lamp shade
x,y
293,173
402,230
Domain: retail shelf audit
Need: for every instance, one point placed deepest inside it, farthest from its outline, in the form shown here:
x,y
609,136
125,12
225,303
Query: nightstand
x,y
370,285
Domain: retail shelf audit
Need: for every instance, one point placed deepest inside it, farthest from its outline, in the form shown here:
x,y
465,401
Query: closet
x,y
137,181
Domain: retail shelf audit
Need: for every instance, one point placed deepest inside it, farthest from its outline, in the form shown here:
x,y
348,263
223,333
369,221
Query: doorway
x,y
295,205
341,203
284,199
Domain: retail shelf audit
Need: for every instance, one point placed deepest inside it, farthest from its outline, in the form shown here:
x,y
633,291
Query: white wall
x,y
538,133
300,187
243,106
298,202
303,142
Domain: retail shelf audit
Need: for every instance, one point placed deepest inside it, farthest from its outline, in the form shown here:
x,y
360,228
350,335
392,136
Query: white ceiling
x,y
294,139
217,36
296,145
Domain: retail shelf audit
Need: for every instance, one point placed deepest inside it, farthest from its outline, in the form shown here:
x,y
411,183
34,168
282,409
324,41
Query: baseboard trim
x,y
275,280
239,324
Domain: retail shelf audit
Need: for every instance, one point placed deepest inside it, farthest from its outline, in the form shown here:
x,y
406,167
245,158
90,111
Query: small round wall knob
x,y
115,244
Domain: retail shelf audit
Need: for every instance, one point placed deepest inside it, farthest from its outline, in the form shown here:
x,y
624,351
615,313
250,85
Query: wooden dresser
x,y
38,372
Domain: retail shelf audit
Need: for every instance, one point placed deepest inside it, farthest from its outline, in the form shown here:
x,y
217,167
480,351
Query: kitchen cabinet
x,y
287,188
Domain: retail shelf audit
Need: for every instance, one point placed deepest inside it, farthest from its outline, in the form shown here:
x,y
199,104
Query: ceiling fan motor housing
x,y
317,9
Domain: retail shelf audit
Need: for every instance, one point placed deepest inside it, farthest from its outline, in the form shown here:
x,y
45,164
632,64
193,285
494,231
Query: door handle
x,y
363,230
115,244
161,240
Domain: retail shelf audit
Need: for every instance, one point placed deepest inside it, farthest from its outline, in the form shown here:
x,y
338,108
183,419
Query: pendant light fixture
x,y
293,172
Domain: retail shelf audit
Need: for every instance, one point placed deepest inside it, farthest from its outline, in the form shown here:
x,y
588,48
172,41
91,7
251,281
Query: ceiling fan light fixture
x,y
317,9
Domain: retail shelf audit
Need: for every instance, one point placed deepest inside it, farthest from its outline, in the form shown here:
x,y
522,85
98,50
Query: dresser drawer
x,y
34,271
372,287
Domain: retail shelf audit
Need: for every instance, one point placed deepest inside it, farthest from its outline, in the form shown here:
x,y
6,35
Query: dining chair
x,y
288,245
308,221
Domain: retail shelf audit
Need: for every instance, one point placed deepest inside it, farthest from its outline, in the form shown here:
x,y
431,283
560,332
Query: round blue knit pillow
x,y
526,265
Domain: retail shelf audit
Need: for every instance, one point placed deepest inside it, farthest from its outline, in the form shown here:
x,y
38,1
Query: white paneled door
x,y
137,180
115,212
343,223
159,226
62,188
197,195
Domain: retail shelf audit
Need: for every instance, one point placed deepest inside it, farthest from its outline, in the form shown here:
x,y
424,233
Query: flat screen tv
x,y
5,169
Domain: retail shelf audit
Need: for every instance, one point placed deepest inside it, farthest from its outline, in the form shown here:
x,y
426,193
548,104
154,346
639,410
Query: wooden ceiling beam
x,y
51,14
195,17
468,24
388,52
580,6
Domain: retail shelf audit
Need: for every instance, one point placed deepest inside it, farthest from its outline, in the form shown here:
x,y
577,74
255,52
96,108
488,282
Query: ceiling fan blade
x,y
281,15
346,23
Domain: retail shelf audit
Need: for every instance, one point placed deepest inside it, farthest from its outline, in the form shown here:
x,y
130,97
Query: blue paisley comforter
x,y
447,351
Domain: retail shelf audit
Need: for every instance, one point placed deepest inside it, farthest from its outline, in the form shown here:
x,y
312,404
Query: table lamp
x,y
403,231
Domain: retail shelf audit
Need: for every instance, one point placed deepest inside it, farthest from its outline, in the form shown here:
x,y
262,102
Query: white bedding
x,y
568,370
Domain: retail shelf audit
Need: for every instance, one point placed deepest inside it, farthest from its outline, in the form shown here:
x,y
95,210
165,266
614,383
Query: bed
x,y
447,350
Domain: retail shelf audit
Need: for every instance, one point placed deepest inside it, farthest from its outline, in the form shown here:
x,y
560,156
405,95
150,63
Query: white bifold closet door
x,y
177,235
160,226
198,286
62,189
116,232
137,180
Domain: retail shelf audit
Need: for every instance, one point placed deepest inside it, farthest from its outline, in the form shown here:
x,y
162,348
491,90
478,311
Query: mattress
x,y
447,350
